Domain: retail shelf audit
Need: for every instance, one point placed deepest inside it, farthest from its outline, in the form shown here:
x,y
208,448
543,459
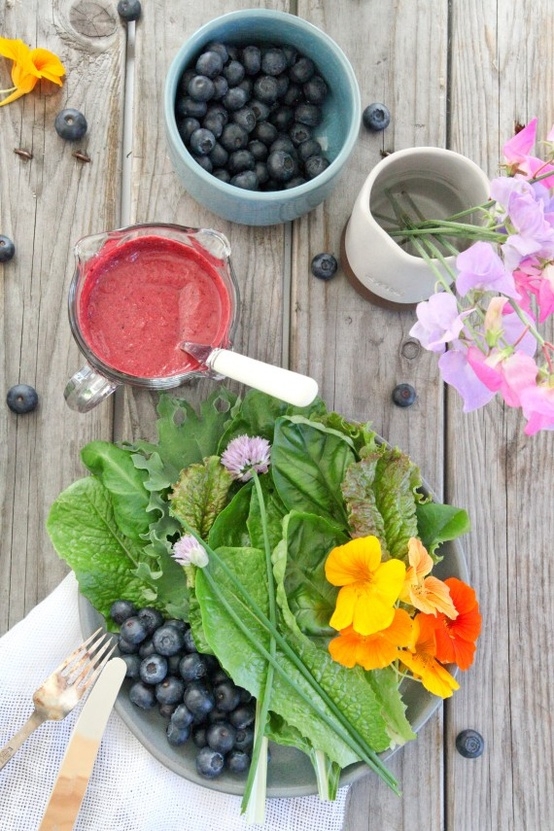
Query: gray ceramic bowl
x,y
337,132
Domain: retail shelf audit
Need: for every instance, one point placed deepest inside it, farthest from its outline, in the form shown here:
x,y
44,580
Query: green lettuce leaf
x,y
200,494
438,523
108,564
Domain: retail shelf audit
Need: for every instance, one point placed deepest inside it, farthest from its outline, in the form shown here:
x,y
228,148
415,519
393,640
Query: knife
x,y
80,755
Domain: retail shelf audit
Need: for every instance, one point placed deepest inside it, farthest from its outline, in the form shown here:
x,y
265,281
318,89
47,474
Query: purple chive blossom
x,y
188,551
246,454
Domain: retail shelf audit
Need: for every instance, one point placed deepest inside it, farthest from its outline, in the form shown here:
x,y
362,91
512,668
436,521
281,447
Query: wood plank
x,y
47,204
358,351
501,59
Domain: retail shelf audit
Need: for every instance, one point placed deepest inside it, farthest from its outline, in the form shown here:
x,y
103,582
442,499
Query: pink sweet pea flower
x,y
537,404
509,375
517,148
480,267
456,370
438,321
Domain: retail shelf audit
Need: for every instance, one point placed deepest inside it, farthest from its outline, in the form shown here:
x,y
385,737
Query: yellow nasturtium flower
x,y
28,67
375,651
370,588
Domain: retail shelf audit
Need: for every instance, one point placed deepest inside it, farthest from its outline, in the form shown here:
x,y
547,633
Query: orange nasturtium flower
x,y
456,638
28,67
372,651
420,658
369,587
428,594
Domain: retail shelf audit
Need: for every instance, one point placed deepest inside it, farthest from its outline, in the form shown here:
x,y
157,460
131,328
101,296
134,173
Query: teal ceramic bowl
x,y
337,132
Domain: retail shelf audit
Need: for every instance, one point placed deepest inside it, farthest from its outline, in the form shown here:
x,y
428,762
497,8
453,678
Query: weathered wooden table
x,y
455,73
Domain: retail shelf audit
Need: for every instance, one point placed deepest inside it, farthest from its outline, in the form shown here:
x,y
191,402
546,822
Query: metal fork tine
x,y
92,662
87,682
77,653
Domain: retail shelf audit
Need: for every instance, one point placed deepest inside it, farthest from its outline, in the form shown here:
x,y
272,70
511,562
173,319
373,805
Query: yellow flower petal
x,y
29,65
354,561
48,65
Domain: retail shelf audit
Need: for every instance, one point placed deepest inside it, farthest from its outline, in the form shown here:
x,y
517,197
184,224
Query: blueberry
x,y
283,142
310,147
302,70
300,134
214,123
315,90
266,89
237,761
182,716
193,666
315,165
403,395
251,59
243,716
222,174
265,131
324,266
220,48
209,763
199,698
274,61
153,669
295,182
142,695
170,690
22,399
227,695
126,647
152,618
470,744
201,88
168,640
70,124
176,735
258,149
293,95
240,160
166,710
133,630
246,179
146,648
282,117
210,63
234,72
233,137
221,736
7,249
187,126
221,86
199,736
244,739
187,106
235,98
202,142
246,117
376,117
281,165
219,155
129,10
260,109
309,114
132,663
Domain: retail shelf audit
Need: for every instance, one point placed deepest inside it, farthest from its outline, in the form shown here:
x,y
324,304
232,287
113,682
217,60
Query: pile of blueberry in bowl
x,y
200,705
262,111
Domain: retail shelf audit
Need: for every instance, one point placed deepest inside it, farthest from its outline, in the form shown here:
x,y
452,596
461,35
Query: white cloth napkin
x,y
129,790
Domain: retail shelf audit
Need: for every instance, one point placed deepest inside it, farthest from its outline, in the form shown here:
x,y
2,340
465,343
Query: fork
x,y
64,688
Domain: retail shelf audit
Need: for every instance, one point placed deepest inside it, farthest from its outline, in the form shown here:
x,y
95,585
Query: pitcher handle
x,y
86,389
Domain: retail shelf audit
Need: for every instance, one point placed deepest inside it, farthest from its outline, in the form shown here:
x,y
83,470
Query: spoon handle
x,y
289,386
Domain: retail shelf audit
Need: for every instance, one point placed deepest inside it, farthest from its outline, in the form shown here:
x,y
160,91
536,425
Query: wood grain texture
x,y
456,73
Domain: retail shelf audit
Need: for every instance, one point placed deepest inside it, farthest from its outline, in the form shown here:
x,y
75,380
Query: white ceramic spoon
x,y
289,386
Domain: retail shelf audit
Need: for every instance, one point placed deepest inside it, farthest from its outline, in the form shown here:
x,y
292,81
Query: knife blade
x,y
76,767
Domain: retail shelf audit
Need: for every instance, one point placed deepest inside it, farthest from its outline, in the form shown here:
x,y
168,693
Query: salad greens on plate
x,y
264,602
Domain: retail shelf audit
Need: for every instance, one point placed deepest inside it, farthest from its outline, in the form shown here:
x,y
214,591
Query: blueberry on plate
x,y
7,249
403,395
221,736
70,124
209,763
237,761
376,117
129,10
324,266
153,669
22,399
142,695
120,610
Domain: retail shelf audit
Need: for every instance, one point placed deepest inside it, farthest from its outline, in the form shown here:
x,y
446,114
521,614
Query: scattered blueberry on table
x,y
129,10
376,117
403,395
70,124
265,101
22,399
197,698
7,249
470,744
324,266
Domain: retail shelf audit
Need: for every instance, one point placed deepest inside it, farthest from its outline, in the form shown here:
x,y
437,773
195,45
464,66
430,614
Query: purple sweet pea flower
x,y
438,321
533,234
480,267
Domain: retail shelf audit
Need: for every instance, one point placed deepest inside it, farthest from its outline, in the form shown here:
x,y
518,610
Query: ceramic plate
x,y
290,773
